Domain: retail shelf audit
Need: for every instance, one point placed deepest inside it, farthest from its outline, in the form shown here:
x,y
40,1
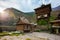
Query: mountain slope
x,y
14,11
57,8
30,16
13,16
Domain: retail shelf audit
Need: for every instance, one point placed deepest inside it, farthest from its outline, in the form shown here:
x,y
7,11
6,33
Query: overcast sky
x,y
26,5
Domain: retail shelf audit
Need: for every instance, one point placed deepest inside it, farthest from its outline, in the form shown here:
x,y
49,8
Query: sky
x,y
26,5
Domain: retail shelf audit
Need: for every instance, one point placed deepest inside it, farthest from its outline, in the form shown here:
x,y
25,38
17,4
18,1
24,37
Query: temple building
x,y
55,25
43,13
24,26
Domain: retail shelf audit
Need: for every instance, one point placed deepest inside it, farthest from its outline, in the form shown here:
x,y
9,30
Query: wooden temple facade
x,y
43,12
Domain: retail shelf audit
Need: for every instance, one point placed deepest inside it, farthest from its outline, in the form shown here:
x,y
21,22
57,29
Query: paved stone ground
x,y
33,36
45,35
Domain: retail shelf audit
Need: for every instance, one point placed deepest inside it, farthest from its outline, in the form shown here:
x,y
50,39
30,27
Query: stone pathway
x,y
33,36
45,35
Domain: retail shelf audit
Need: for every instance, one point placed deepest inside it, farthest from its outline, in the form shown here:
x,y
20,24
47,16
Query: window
x,y
45,15
39,16
27,27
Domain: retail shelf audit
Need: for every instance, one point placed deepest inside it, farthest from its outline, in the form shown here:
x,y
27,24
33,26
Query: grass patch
x,y
4,33
28,39
14,34
10,34
37,30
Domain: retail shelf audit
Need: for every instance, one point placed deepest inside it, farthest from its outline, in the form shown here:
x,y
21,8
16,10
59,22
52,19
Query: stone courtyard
x,y
33,36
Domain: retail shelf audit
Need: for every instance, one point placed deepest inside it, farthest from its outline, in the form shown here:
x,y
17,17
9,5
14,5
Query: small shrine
x,y
24,27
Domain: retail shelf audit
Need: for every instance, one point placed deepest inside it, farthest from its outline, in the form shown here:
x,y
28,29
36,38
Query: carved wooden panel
x,y
43,11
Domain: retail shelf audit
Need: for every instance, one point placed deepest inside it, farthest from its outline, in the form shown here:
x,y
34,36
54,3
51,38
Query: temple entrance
x,y
27,28
55,30
0,29
59,30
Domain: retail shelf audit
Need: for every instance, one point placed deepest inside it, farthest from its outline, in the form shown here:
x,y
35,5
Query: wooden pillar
x,y
57,31
0,29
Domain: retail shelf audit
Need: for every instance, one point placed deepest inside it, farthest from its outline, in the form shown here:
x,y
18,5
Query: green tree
x,y
44,22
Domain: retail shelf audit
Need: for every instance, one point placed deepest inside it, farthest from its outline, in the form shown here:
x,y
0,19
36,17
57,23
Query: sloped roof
x,y
55,21
23,20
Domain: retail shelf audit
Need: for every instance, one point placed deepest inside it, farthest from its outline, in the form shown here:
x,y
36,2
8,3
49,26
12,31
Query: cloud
x,y
55,3
30,5
26,5
7,4
23,5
